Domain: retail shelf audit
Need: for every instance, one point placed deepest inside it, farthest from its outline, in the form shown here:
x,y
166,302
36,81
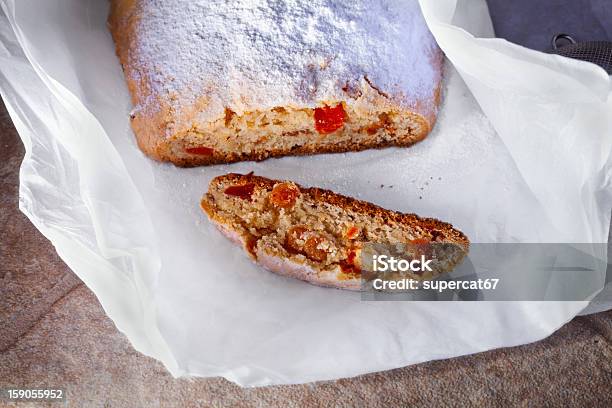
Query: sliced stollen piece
x,y
313,234
219,82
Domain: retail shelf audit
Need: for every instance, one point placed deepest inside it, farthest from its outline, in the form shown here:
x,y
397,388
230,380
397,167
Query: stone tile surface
x,y
53,332
32,276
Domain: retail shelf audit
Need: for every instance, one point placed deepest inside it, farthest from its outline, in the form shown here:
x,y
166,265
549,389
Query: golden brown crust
x,y
157,125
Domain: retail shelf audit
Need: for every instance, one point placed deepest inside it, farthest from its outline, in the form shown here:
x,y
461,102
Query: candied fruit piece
x,y
352,232
420,246
419,241
284,195
200,150
300,239
328,119
294,238
313,250
244,191
351,257
349,270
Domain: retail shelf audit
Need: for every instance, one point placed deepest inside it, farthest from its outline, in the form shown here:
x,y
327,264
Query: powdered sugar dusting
x,y
256,54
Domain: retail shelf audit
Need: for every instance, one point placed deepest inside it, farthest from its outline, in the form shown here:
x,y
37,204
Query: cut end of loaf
x,y
281,131
312,234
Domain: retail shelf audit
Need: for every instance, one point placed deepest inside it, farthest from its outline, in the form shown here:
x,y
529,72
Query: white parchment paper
x,y
520,154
